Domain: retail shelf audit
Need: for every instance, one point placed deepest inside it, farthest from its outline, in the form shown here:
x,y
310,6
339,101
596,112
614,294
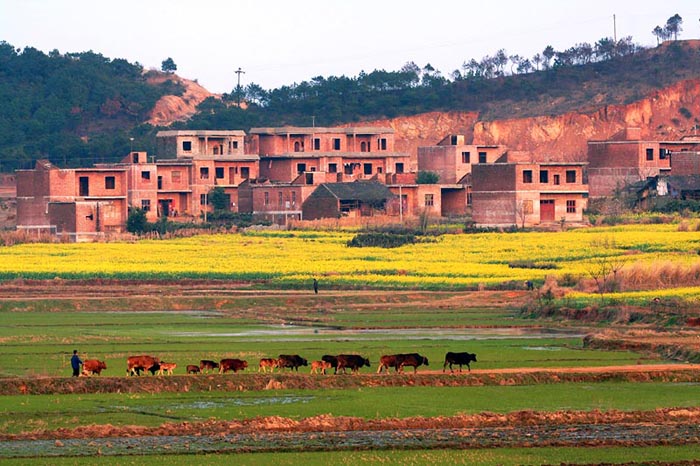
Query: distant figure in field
x,y
75,363
530,285
315,286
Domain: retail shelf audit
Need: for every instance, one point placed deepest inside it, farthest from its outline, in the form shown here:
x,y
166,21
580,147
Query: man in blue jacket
x,y
75,363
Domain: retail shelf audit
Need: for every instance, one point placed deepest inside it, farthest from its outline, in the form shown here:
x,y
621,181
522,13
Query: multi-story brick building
x,y
626,159
525,194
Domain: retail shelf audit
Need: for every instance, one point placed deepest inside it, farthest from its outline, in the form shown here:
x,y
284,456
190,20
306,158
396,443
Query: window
x,y
186,146
380,170
367,168
382,144
469,198
348,168
175,176
145,175
571,176
280,199
482,157
202,199
204,173
570,207
298,147
109,182
245,173
364,147
135,157
336,143
399,167
332,168
146,205
219,172
650,154
294,197
544,176
317,144
428,200
301,167
266,200
556,179
662,154
527,176
84,186
235,144
466,157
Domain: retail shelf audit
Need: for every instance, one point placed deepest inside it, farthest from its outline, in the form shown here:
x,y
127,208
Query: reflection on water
x,y
298,333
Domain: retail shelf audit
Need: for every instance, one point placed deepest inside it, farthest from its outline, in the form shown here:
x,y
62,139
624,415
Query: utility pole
x,y
614,30
239,71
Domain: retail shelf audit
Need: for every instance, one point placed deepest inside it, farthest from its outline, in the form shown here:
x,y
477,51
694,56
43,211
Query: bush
x,y
381,240
532,265
425,177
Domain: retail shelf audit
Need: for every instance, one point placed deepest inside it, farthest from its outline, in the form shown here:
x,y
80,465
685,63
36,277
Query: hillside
x,y
79,108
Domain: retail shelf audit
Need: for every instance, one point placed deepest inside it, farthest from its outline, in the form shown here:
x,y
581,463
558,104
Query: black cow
x,y
459,359
352,361
332,360
208,365
410,359
293,361
387,361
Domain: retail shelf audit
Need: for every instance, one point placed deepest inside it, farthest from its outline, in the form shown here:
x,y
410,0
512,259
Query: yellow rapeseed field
x,y
291,258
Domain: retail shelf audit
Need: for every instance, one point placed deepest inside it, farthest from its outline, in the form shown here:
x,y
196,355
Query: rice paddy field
x,y
538,393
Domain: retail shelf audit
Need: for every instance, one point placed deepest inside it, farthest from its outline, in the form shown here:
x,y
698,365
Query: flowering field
x,y
288,258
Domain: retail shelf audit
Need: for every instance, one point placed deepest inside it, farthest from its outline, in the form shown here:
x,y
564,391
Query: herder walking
x,y
75,363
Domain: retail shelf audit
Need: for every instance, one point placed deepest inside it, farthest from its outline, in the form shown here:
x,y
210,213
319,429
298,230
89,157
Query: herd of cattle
x,y
135,365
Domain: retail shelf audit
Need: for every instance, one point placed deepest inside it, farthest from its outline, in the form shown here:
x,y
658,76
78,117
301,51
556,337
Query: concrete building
x,y
526,194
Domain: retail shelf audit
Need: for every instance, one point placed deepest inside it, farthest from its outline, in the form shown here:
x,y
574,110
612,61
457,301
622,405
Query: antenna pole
x,y
239,71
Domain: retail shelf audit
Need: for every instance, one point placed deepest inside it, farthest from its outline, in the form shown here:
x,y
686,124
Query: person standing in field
x,y
315,286
75,363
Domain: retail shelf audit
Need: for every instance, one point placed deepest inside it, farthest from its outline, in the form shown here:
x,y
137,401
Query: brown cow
x,y
387,361
352,361
192,369
234,365
267,362
93,366
136,364
207,365
167,367
320,366
411,359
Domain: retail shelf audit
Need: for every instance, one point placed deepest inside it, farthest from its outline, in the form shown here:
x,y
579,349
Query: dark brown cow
x,y
207,365
234,365
136,364
192,369
387,361
459,359
411,359
332,360
267,362
93,366
351,361
293,361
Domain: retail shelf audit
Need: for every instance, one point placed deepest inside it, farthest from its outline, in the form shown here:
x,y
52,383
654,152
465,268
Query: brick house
x,y
78,203
337,154
626,159
520,193
357,199
452,158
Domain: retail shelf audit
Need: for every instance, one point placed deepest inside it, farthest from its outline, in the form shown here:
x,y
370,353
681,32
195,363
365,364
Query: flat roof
x,y
201,132
349,130
339,154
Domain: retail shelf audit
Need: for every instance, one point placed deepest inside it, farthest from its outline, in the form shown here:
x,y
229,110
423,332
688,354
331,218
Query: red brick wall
x,y
685,163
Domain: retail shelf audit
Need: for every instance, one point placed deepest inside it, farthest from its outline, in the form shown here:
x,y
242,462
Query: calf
x,y
267,362
352,361
411,359
192,369
93,366
167,367
293,361
321,366
234,365
136,364
207,365
459,359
